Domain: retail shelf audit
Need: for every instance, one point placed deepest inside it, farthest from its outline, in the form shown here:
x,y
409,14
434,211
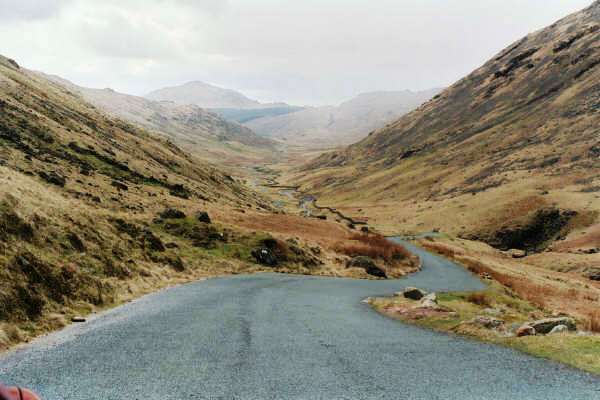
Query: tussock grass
x,y
374,246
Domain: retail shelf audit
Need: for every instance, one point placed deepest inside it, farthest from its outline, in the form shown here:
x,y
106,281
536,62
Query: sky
x,y
304,52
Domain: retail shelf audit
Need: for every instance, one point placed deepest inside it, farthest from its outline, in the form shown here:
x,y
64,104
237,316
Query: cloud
x,y
307,52
28,10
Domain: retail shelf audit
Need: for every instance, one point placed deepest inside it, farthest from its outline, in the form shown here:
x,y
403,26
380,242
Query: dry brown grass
x,y
479,298
593,324
374,246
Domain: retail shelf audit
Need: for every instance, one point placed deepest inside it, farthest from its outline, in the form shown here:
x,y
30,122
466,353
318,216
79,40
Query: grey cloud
x,y
27,10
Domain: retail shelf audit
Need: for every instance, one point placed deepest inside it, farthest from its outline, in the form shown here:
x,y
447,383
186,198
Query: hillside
x,y
82,209
510,151
320,127
202,132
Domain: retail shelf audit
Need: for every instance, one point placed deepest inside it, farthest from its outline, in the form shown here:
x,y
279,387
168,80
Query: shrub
x,y
478,298
374,246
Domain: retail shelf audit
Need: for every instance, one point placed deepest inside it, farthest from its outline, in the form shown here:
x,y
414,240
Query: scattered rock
x,y
78,319
516,253
53,178
493,312
487,322
414,293
364,229
265,256
559,329
172,213
153,242
119,186
76,242
204,217
368,265
594,276
545,326
525,330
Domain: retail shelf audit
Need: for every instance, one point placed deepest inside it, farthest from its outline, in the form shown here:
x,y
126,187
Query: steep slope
x,y
199,131
207,96
79,197
347,123
493,156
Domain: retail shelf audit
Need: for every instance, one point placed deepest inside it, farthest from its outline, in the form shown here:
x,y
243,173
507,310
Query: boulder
x,y
525,330
78,318
414,293
203,216
265,256
430,297
559,329
545,326
516,253
487,322
172,213
368,265
428,303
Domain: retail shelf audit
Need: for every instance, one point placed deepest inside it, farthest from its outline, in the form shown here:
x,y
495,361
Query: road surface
x,y
271,336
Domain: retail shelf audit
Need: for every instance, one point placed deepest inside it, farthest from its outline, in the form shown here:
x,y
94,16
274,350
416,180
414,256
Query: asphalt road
x,y
282,337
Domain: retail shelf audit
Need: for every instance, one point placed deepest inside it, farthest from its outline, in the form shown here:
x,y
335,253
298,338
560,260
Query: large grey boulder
x,y
545,326
559,329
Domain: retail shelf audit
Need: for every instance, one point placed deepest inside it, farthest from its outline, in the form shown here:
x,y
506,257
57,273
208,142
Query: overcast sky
x,y
298,51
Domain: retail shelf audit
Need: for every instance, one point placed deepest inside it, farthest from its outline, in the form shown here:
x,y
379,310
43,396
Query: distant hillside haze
x,y
349,122
207,96
188,125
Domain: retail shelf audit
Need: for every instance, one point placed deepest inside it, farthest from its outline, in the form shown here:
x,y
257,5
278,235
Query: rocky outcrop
x,y
545,326
414,293
487,322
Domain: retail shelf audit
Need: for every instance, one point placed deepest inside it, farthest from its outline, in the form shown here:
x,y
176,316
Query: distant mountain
x,y
190,126
347,123
207,96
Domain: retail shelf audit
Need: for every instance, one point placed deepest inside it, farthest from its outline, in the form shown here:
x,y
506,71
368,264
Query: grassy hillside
x,y
512,149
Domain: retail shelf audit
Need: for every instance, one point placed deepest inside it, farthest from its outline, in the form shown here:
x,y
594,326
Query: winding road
x,y
271,336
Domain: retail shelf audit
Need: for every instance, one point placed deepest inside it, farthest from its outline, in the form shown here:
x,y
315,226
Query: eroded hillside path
x,y
271,336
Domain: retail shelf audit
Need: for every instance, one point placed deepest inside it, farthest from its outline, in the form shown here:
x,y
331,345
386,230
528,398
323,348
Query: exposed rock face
x,y
413,293
368,264
545,326
532,234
